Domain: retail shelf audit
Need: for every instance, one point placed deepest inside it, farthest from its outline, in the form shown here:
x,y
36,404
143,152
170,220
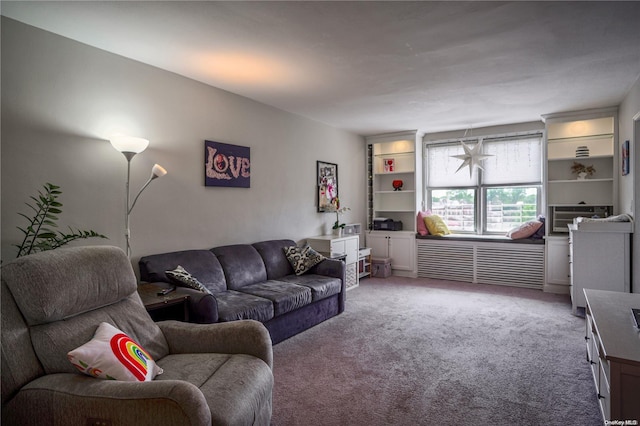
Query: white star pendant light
x,y
471,157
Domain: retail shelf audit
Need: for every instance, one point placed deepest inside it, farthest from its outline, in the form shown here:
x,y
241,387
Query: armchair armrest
x,y
74,399
236,337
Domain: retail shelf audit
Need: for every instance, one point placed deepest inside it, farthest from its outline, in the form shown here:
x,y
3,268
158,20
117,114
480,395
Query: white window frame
x,y
479,188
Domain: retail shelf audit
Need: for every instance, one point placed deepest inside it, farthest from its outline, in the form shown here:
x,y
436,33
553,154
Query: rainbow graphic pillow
x,y
113,355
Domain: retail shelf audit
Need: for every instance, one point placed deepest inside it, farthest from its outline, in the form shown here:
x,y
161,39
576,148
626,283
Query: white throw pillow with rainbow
x,y
113,355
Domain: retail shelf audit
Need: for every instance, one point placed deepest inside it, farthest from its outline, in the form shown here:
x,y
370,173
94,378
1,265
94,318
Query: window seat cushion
x,y
488,238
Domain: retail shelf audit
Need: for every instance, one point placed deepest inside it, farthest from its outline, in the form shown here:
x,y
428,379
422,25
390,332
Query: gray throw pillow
x,y
183,278
302,258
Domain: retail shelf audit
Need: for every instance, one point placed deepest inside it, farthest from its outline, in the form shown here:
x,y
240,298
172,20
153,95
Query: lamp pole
x,y
129,147
127,231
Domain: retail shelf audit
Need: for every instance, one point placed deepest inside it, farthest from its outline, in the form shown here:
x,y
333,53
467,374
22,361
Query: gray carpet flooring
x,y
430,352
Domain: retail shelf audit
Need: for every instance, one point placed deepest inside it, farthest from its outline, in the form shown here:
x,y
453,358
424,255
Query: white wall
x,y
61,99
629,186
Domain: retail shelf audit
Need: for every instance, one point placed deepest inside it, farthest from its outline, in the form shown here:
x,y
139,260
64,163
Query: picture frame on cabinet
x,y
625,158
327,186
389,165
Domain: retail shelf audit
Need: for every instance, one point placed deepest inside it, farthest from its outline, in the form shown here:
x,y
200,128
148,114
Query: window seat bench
x,y
482,259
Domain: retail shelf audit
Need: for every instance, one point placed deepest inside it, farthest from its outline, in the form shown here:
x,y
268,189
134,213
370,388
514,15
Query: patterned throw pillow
x,y
302,258
183,278
113,355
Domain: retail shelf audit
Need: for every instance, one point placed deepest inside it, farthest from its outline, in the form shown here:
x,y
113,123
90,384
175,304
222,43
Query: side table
x,y
173,306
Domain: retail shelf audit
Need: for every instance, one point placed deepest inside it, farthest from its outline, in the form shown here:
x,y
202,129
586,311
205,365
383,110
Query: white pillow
x,y
113,355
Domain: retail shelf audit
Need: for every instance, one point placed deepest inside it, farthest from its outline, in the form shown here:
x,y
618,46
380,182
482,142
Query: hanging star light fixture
x,y
471,157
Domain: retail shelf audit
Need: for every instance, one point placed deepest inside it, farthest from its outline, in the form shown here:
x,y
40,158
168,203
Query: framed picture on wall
x,y
625,158
227,165
327,186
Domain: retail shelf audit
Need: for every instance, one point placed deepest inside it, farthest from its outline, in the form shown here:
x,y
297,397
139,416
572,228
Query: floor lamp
x,y
130,146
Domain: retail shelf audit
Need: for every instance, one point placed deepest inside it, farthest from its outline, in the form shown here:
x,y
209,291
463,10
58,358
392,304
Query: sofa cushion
x,y
202,264
321,286
285,296
233,305
234,385
275,261
242,265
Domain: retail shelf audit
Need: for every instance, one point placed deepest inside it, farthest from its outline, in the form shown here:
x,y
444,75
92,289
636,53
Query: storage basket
x,y
380,267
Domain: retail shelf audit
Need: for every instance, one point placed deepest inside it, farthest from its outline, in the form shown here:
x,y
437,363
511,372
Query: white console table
x,y
334,246
613,351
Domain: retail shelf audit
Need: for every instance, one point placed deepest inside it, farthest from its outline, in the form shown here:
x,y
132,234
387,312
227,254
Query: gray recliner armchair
x,y
53,302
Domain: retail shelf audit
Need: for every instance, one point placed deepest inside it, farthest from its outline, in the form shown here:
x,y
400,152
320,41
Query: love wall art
x,y
227,165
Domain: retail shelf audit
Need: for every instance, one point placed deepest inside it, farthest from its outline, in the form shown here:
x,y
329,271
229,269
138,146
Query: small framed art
x,y
327,185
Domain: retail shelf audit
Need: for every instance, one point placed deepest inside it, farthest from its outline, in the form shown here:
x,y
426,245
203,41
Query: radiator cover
x,y
502,263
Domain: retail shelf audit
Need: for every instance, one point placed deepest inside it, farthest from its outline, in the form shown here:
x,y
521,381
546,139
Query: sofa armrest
x,y
203,307
75,398
236,337
330,268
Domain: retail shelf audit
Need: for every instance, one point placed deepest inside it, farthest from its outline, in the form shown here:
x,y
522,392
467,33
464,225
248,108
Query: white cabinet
x,y
599,260
346,247
557,265
397,245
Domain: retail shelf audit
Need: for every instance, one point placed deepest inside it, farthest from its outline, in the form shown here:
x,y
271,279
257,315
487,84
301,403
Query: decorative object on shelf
x,y
327,175
227,165
130,146
582,171
39,234
389,165
625,158
397,185
337,226
471,157
582,151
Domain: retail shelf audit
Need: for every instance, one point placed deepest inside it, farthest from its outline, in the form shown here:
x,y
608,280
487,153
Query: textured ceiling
x,y
375,67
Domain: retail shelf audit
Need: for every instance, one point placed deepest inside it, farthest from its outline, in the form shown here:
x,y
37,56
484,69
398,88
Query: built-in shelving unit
x,y
391,158
394,161
589,138
589,141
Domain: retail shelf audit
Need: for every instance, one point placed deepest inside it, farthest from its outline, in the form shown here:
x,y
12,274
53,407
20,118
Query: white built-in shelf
x,y
577,205
581,180
403,172
410,191
580,159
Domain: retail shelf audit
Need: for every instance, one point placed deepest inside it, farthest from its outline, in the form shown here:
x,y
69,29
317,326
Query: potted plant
x,y
39,234
582,171
337,226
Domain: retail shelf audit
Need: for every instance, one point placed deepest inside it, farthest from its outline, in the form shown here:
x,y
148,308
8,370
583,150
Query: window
x,y
505,193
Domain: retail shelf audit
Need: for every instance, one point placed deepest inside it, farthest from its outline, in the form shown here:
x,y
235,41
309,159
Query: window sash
x,y
512,161
522,168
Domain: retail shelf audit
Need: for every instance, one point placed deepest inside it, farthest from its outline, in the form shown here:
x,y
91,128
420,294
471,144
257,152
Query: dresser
x,y
613,352
599,258
346,247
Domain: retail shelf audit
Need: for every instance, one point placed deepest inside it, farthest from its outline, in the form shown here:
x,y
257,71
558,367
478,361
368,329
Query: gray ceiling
x,y
376,67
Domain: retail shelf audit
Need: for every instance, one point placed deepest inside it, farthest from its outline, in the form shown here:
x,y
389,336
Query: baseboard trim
x,y
556,288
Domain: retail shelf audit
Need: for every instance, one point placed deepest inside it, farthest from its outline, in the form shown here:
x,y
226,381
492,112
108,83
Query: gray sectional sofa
x,y
254,281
